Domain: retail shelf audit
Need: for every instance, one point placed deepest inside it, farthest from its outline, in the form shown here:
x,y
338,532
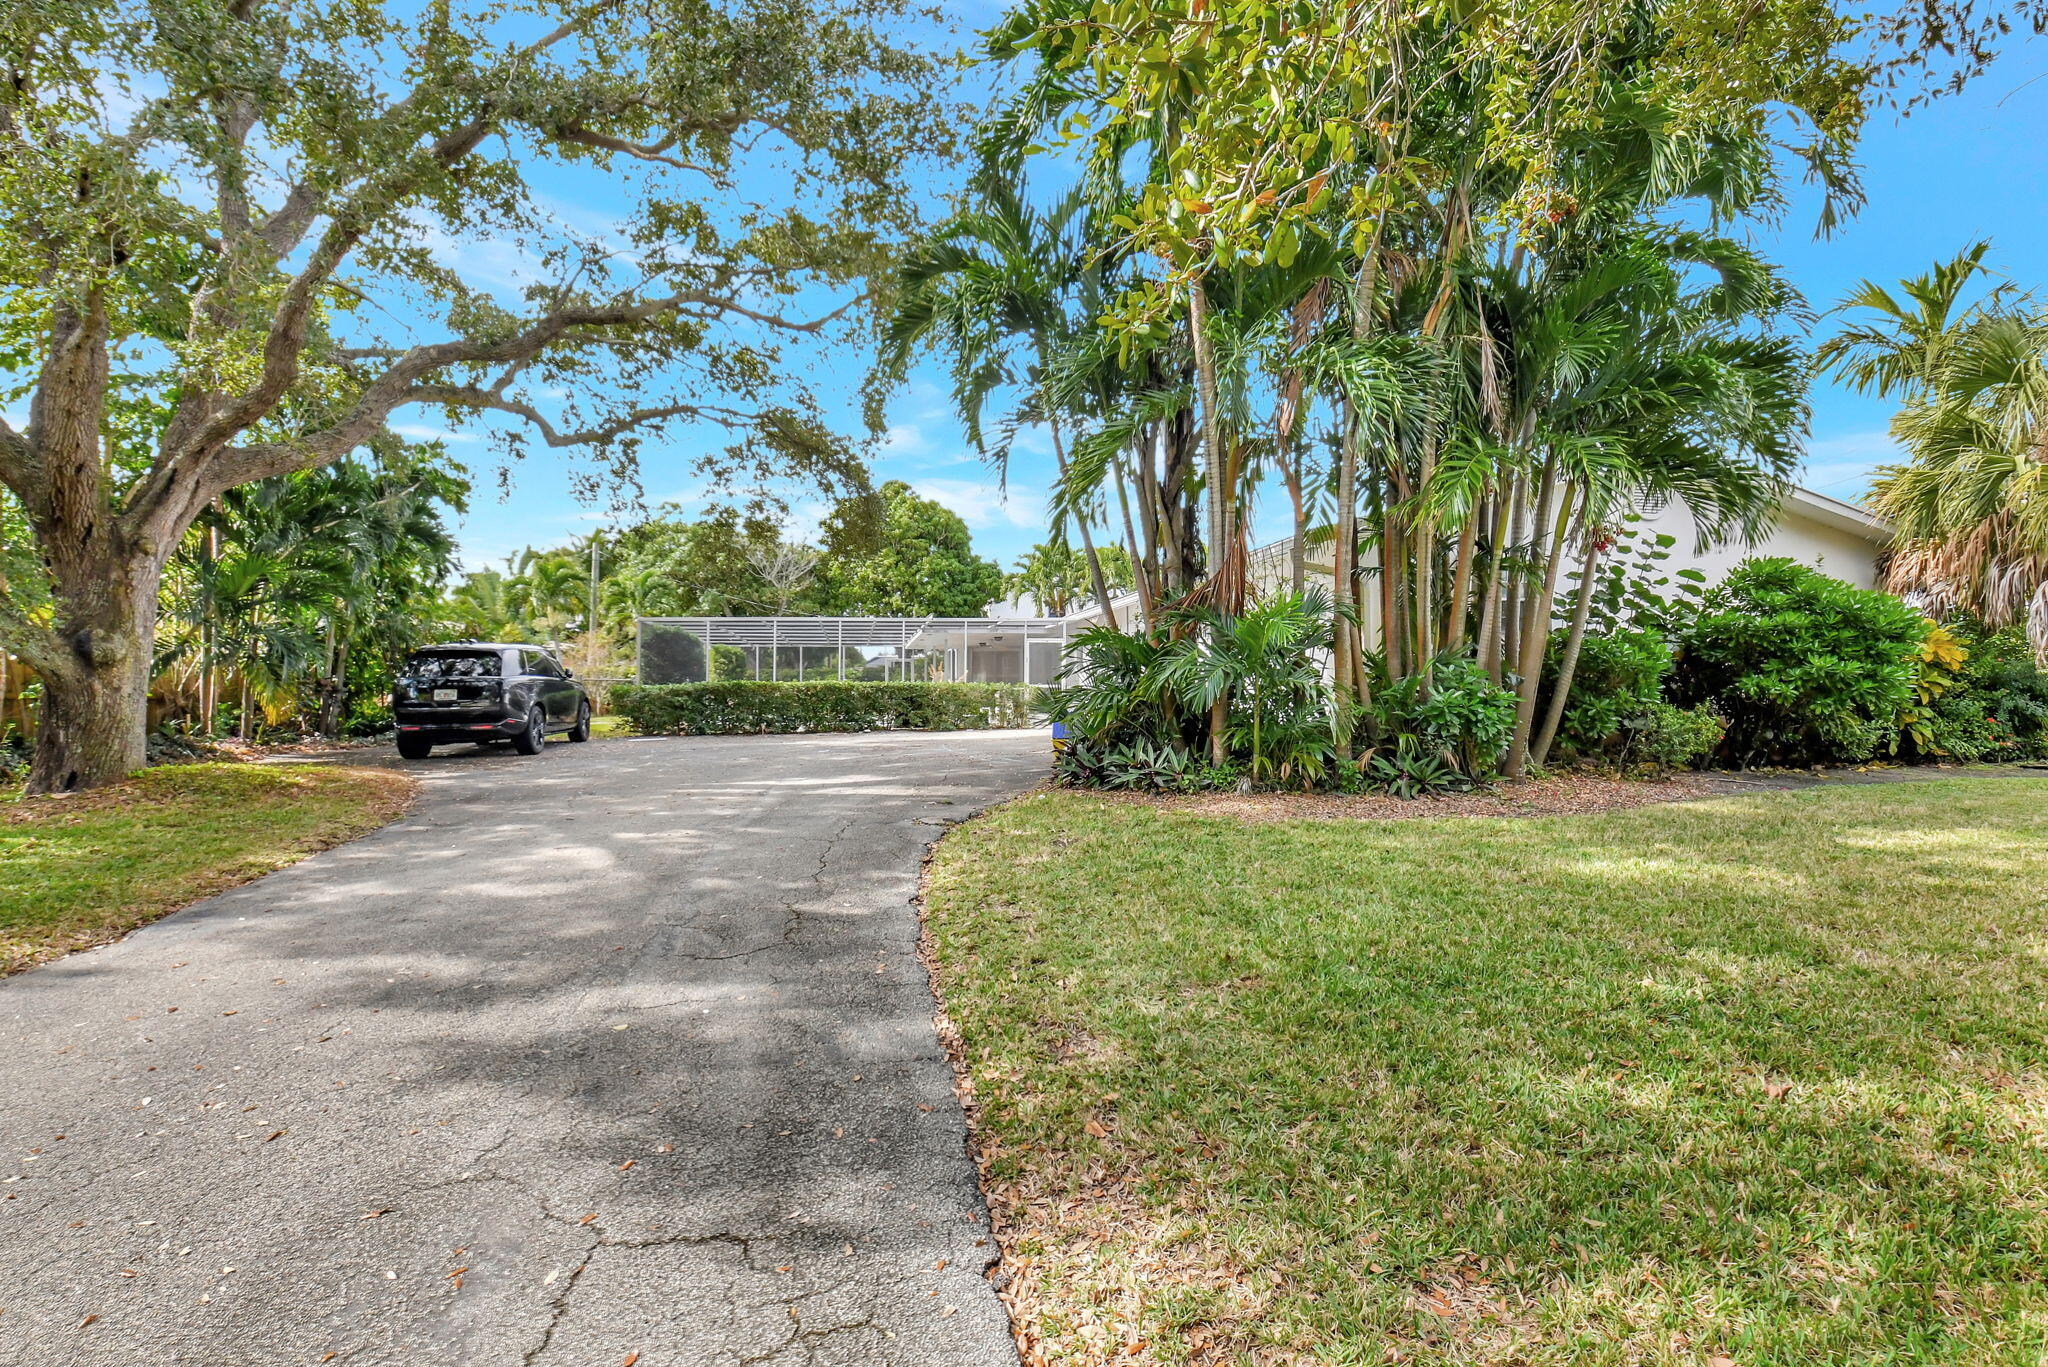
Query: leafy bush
x,y
15,754
1141,766
710,709
2002,678
1463,717
1407,771
1619,676
1113,695
1669,737
1134,694
1804,667
1266,659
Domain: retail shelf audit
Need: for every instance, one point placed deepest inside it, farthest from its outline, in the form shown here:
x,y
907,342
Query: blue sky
x,y
1968,167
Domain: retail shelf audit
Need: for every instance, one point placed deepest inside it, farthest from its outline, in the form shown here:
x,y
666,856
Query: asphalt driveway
x,y
622,1049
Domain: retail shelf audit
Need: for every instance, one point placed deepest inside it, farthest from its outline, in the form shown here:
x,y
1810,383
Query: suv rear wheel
x,y
534,737
414,747
581,730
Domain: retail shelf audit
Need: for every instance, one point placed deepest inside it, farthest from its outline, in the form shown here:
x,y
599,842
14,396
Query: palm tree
x,y
548,588
996,276
1969,507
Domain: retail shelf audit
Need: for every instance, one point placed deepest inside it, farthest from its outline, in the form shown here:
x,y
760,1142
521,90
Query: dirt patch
x,y
1561,795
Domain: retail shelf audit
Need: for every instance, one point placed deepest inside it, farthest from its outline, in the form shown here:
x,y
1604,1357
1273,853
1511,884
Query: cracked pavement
x,y
623,1048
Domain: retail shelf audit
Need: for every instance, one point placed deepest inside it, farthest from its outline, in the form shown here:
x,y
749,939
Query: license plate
x,y
444,695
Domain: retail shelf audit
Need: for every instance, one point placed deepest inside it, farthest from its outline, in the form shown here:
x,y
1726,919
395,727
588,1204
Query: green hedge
x,y
719,709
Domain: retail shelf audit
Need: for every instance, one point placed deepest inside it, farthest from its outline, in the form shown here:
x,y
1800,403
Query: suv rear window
x,y
430,666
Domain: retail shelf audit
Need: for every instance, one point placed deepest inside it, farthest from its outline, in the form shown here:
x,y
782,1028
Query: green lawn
x,y
1755,1080
78,871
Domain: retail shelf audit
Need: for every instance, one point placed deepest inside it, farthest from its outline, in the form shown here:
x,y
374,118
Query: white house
x,y
1836,538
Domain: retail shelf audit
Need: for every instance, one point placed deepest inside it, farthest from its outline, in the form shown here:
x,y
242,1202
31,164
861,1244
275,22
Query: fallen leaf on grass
x,y
1776,1091
1096,1128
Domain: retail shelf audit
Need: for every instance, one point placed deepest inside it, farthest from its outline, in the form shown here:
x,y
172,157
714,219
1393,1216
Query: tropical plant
x,y
303,591
1620,675
1664,736
1969,506
1264,661
1452,713
1409,769
1057,578
1805,668
1467,386
997,278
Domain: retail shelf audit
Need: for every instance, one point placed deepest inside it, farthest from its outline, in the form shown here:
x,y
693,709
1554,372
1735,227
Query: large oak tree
x,y
243,234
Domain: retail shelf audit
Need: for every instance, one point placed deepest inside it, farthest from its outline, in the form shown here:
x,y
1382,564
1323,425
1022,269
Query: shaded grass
x,y
1755,1079
83,870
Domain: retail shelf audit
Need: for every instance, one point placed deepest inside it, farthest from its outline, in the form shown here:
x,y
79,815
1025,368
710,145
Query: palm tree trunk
x,y
1343,571
1144,588
1393,557
1095,577
1220,491
1512,595
1459,605
1490,624
1536,637
1568,663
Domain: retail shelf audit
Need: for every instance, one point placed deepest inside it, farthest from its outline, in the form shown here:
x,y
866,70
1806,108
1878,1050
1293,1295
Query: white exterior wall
x,y
1834,538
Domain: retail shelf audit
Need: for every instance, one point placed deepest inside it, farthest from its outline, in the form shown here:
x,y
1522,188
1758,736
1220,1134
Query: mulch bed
x,y
1558,795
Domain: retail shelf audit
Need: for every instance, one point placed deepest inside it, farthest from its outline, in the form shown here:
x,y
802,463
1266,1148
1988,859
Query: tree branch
x,y
16,468
469,396
656,151
27,639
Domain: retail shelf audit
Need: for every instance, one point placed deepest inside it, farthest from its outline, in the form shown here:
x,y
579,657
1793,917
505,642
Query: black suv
x,y
482,691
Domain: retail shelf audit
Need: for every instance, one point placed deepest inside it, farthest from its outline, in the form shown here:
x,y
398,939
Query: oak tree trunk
x,y
95,708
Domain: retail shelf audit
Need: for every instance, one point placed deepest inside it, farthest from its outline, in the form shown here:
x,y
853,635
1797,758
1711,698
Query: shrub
x,y
1463,717
1619,676
1804,667
711,709
2002,678
14,754
1137,694
1670,737
1407,771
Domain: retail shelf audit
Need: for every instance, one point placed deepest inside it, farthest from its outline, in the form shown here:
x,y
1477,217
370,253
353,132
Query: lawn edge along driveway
x,y
1751,1080
88,868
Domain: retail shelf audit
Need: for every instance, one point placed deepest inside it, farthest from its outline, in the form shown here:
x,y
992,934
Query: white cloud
x,y
804,519
984,505
419,431
904,440
1842,465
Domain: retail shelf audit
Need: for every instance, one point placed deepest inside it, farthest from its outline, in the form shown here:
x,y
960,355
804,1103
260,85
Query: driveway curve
x,y
621,1049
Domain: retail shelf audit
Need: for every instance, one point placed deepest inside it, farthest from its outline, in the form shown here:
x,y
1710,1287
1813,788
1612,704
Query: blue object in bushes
x,y
1059,735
